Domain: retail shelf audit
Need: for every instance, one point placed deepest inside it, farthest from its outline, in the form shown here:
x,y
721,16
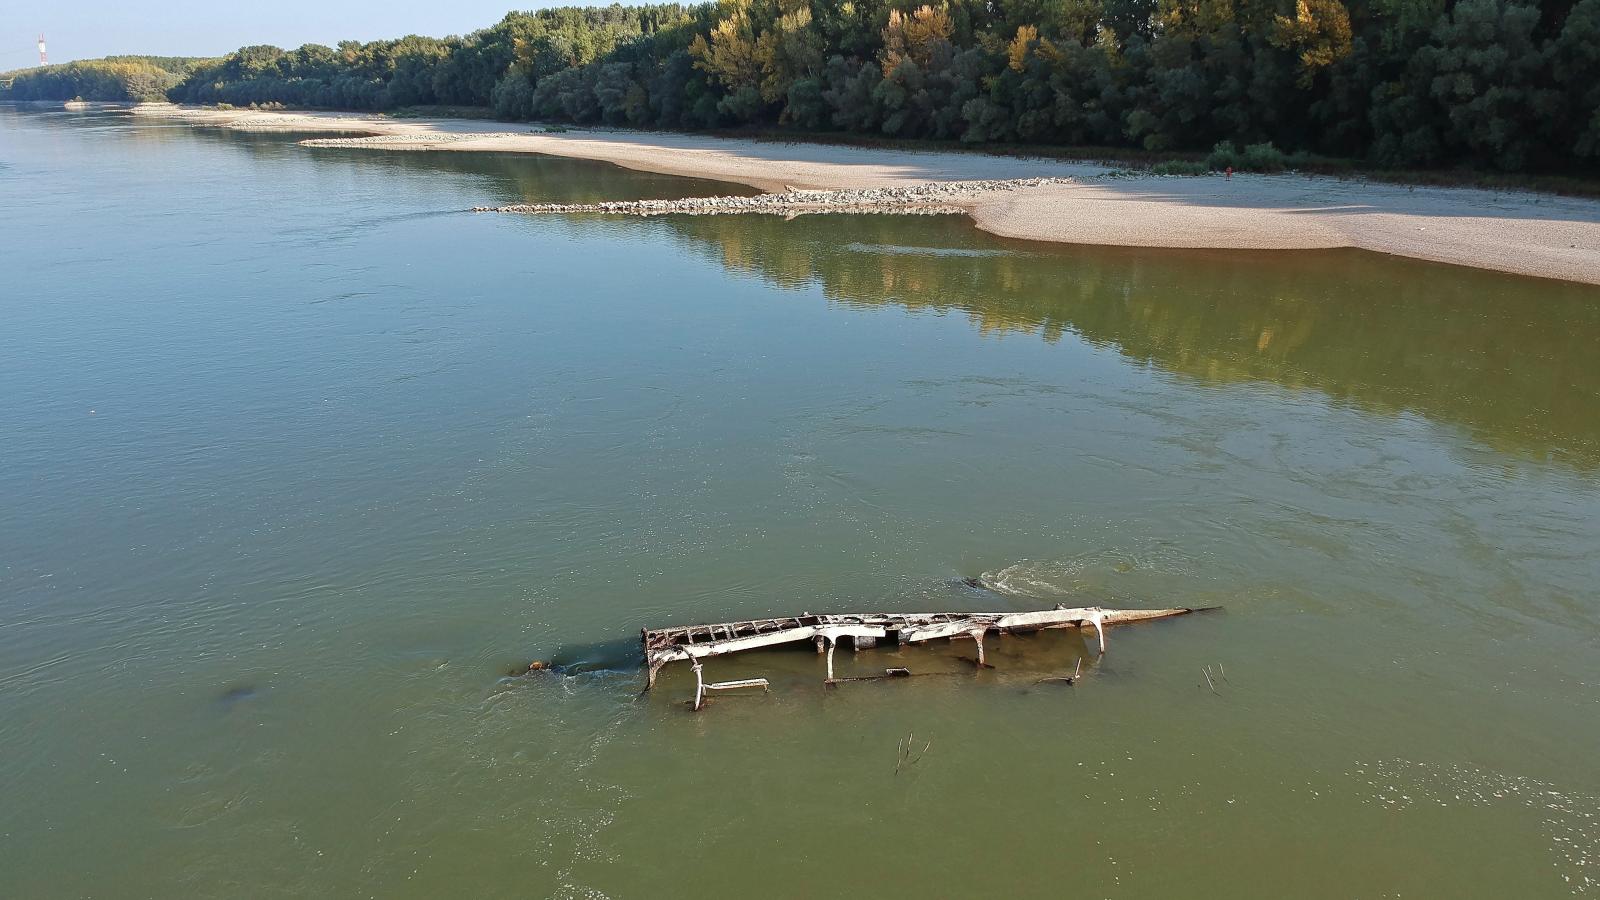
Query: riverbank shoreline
x,y
1522,233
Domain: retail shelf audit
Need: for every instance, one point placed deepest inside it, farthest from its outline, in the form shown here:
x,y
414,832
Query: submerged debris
x,y
695,643
906,754
236,694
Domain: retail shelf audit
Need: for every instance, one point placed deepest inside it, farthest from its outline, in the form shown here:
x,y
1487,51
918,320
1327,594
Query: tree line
x,y
112,79
1507,84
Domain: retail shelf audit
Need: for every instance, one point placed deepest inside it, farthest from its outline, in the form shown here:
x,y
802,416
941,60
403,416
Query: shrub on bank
x,y
1263,157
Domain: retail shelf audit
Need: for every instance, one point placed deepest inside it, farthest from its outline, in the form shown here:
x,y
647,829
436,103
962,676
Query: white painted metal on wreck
x,y
695,643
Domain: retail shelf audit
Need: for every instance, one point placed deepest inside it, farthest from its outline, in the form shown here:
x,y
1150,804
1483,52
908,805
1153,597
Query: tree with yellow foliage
x,y
913,37
788,51
730,56
1320,31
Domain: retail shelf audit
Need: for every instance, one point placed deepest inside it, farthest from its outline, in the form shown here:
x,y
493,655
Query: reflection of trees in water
x,y
505,178
1511,359
530,178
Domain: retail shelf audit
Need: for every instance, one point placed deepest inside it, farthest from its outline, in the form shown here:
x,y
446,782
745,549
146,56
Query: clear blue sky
x,y
90,28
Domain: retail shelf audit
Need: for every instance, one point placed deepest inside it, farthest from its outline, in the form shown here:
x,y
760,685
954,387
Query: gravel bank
x,y
1524,233
935,198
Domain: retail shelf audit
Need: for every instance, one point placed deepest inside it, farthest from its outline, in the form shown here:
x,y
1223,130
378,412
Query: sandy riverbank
x,y
1523,233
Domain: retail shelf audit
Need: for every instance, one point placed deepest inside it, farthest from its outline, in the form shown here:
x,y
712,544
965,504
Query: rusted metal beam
x,y
694,643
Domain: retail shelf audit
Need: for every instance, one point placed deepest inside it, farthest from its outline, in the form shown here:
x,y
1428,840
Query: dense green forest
x,y
113,78
1496,83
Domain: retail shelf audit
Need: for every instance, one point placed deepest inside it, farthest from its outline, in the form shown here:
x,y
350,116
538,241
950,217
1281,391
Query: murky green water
x,y
296,460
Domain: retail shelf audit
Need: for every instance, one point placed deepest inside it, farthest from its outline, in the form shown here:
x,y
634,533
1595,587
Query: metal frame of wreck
x,y
693,643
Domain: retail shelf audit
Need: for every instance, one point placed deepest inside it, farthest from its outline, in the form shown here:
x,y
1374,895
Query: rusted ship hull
x,y
695,643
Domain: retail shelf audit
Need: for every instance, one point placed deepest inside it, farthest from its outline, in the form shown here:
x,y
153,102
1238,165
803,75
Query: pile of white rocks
x,y
385,140
928,198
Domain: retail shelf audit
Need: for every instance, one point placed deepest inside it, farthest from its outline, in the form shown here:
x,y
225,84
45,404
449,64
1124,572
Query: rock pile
x,y
386,140
935,197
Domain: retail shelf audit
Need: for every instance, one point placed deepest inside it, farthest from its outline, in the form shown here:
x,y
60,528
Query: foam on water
x,y
1571,819
1059,578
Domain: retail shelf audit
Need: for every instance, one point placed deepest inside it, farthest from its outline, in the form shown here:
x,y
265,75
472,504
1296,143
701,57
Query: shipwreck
x,y
696,643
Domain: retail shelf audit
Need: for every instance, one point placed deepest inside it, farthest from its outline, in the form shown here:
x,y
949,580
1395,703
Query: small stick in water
x,y
903,749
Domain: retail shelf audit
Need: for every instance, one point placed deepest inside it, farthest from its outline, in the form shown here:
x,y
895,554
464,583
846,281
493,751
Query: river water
x,y
298,460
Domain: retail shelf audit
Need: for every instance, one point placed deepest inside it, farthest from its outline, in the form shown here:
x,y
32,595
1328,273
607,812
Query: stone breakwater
x,y
933,198
414,141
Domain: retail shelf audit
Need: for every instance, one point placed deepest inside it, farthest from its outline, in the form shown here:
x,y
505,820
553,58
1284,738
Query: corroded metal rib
x,y
697,642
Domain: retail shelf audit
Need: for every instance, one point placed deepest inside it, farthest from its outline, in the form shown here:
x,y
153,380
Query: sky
x,y
85,29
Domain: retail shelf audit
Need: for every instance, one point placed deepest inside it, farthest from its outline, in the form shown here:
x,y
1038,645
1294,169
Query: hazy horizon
x,y
185,28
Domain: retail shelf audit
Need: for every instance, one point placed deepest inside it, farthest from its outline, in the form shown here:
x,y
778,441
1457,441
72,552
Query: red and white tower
x,y
44,58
